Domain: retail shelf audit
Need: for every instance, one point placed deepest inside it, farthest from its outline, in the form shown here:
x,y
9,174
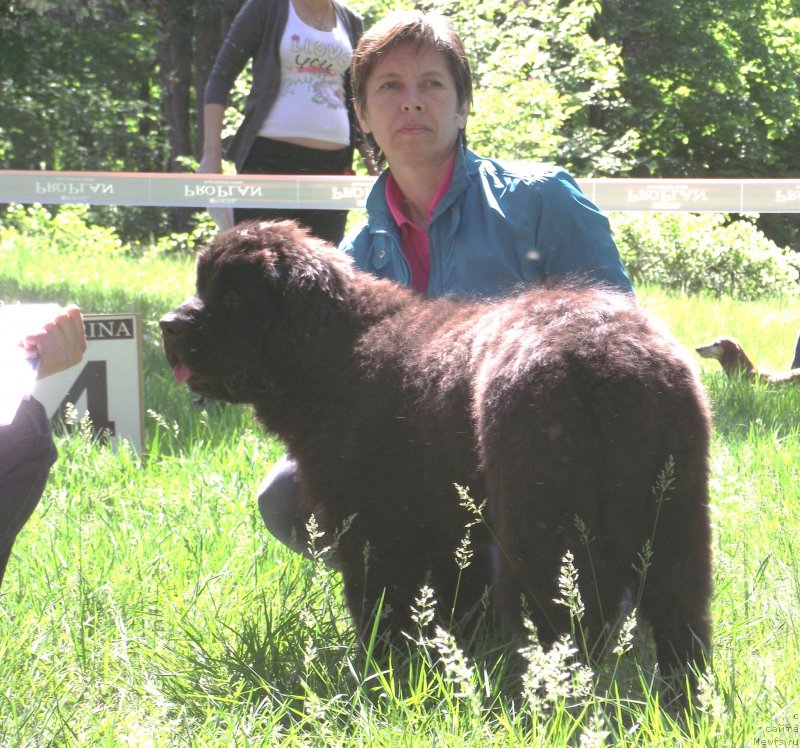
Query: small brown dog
x,y
735,362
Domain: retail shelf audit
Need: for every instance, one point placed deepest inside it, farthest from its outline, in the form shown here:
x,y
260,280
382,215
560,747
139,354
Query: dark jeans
x,y
26,454
796,362
275,157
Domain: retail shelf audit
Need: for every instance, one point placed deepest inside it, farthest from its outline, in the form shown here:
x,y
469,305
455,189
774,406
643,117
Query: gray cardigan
x,y
256,34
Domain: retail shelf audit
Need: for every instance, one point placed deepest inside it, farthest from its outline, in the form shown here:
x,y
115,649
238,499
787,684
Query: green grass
x,y
145,603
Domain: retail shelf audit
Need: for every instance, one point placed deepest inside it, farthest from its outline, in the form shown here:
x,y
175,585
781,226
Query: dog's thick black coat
x,y
563,407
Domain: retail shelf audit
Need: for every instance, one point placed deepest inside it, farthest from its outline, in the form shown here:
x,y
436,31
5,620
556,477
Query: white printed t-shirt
x,y
311,102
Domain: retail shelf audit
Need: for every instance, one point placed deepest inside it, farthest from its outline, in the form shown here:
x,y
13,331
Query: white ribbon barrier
x,y
347,192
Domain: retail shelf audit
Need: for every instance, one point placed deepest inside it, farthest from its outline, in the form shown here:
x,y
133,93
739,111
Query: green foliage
x,y
76,89
78,93
72,233
539,75
601,86
712,88
68,232
695,253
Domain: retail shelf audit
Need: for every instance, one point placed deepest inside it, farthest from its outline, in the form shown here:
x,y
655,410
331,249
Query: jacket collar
x,y
379,215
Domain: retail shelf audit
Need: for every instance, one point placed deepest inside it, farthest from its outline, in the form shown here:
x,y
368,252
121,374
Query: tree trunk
x,y
192,33
212,21
174,54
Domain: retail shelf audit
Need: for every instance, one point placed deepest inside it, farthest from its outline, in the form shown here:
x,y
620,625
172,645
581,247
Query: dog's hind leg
x,y
553,567
676,581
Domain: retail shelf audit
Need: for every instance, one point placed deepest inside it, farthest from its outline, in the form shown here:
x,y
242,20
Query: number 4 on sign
x,y
93,380
107,384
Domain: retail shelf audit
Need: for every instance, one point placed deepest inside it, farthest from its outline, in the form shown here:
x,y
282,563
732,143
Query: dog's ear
x,y
292,285
323,270
300,262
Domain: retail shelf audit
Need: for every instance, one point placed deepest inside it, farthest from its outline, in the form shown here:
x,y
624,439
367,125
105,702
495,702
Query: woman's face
x,y
411,107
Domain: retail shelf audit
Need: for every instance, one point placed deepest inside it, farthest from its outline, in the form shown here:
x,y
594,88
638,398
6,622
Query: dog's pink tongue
x,y
181,372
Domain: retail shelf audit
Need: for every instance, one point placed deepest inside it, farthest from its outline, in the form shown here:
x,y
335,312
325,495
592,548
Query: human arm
x,y
572,236
26,444
60,343
238,48
211,161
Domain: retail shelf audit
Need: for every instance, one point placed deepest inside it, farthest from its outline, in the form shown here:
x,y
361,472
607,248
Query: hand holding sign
x,y
106,385
36,340
60,344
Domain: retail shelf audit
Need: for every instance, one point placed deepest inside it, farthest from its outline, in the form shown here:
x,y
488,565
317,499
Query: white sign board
x,y
107,384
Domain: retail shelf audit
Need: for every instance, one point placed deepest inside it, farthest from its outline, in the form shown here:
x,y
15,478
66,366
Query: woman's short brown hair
x,y
424,31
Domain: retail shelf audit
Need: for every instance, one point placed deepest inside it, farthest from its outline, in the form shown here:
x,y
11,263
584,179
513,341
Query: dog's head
x,y
224,341
730,355
721,349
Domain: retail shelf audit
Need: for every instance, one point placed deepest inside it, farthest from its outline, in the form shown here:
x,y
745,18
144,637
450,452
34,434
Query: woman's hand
x,y
61,343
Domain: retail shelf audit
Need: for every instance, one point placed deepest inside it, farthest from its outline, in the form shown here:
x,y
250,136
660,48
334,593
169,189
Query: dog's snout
x,y
171,323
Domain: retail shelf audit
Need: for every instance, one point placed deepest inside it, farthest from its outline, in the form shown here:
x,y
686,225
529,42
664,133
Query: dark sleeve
x,y
26,454
355,29
241,44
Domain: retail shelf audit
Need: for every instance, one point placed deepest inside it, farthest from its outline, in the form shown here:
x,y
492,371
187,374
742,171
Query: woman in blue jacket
x,y
441,219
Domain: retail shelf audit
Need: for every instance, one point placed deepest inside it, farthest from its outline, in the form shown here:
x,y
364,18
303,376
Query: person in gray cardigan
x,y
299,115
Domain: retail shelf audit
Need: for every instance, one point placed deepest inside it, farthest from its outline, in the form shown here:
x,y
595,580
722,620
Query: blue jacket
x,y
494,229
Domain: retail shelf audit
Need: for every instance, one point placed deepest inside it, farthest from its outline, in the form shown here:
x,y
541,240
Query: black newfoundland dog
x,y
577,419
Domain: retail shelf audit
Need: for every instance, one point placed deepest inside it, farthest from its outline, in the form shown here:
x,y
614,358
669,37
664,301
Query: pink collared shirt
x,y
416,245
